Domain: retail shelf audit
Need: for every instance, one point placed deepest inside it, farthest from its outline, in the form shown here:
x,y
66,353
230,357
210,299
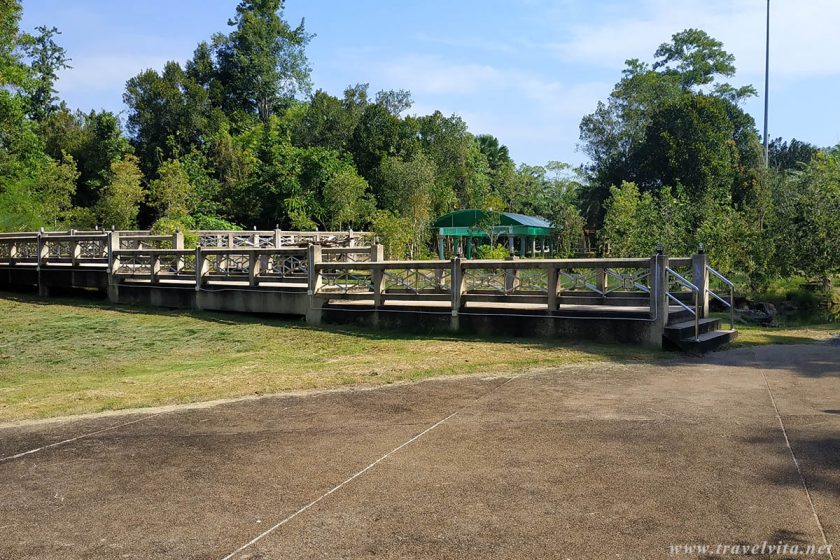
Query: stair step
x,y
685,329
706,341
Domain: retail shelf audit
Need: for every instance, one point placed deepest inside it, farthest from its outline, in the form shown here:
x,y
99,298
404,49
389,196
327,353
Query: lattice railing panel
x,y
346,282
93,249
60,249
134,265
531,280
178,265
287,266
212,241
227,263
627,280
487,279
361,256
27,249
140,243
416,280
578,280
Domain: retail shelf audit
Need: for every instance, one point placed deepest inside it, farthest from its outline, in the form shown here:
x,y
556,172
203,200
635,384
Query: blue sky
x,y
523,70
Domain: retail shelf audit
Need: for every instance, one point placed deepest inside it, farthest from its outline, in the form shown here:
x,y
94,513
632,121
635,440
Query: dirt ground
x,y
595,461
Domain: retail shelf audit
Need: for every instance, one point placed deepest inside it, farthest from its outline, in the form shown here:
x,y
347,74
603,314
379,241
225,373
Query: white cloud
x,y
105,73
804,34
422,74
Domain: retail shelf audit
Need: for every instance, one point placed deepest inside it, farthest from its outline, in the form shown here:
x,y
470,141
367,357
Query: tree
x,y
169,114
171,194
696,59
347,200
463,174
120,201
685,79
395,101
100,145
688,142
636,223
325,123
262,63
807,218
13,72
47,59
407,192
787,156
378,135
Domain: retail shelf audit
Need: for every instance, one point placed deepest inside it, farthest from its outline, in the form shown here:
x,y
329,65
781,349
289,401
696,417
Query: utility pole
x,y
767,90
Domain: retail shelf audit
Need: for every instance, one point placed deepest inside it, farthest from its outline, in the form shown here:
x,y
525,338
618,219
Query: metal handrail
x,y
696,291
731,303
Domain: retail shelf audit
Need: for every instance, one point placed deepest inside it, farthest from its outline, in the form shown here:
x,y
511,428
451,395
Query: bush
x,y
491,253
168,226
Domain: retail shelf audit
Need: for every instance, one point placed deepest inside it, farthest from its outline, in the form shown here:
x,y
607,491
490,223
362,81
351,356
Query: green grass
x,y
70,356
749,335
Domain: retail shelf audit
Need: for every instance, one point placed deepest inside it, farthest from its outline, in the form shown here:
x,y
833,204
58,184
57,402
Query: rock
x,y
788,306
757,317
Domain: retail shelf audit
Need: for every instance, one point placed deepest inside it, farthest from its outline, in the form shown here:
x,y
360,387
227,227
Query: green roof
x,y
481,218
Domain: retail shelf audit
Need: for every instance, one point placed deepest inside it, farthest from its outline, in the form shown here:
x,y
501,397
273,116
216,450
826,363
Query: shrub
x,y
491,253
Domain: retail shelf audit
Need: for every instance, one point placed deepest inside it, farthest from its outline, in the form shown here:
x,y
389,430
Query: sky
x,y
525,71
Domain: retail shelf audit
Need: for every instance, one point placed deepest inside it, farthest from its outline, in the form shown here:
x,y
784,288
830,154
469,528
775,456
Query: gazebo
x,y
463,230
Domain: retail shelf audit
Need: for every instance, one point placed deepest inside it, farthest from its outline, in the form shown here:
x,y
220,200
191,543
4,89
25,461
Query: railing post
x,y
154,267
552,288
178,245
278,239
13,251
658,298
602,280
113,244
255,265
43,249
75,249
313,253
458,285
202,267
511,274
700,277
377,254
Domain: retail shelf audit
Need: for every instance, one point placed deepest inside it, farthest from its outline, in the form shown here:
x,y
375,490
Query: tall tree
x,y
171,194
262,63
168,114
119,204
47,58
615,135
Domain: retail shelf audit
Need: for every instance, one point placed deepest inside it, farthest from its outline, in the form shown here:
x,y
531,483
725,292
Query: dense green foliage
x,y
236,137
677,164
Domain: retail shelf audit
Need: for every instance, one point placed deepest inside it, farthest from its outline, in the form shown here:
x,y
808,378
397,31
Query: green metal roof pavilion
x,y
476,223
467,228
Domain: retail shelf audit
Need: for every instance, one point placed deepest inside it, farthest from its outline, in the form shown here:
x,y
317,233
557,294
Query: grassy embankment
x,y
72,356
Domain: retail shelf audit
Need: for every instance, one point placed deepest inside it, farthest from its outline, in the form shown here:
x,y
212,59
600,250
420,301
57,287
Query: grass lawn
x,y
749,335
72,356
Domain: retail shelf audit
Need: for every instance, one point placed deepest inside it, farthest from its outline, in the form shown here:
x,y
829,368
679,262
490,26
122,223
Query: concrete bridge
x,y
342,277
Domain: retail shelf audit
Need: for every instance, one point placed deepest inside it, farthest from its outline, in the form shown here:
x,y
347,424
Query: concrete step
x,y
685,329
705,342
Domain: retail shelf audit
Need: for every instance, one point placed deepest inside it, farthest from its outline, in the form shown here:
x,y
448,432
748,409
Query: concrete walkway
x,y
596,461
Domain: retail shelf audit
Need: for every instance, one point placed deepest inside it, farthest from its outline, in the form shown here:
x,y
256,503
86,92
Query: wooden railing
x,y
244,265
346,271
76,248
535,282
